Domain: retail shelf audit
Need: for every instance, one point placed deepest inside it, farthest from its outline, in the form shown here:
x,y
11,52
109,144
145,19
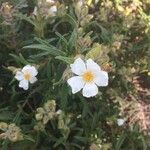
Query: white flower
x,y
26,75
120,122
50,1
89,76
52,11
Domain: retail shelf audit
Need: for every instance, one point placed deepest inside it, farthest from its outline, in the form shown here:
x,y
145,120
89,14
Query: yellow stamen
x,y
26,76
88,76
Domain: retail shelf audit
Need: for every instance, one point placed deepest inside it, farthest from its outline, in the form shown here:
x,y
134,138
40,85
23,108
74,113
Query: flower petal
x,y
76,83
101,78
90,90
33,80
52,11
24,84
78,67
19,76
25,68
30,69
50,1
91,65
120,122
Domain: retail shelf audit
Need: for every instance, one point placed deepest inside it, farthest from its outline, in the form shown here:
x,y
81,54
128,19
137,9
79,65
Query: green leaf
x,y
95,52
41,41
71,20
72,40
19,58
24,17
51,49
99,53
62,38
6,115
28,138
67,60
120,141
39,55
64,97
104,33
81,139
59,141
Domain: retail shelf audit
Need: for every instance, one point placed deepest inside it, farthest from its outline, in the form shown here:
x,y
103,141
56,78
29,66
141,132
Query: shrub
x,y
44,44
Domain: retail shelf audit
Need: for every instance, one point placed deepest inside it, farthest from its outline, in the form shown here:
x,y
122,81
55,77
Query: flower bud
x,y
3,126
45,119
39,127
50,106
40,110
39,117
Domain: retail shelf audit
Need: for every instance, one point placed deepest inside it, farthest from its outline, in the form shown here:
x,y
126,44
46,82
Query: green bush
x,y
46,38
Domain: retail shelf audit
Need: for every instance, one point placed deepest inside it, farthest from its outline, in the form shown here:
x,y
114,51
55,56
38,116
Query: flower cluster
x,y
46,113
6,11
45,8
63,123
11,132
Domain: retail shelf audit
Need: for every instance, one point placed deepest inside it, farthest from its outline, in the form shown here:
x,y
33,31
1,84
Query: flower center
x,y
27,76
88,76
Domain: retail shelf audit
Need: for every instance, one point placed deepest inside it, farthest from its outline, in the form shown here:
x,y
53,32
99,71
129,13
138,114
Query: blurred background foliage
x,y
114,33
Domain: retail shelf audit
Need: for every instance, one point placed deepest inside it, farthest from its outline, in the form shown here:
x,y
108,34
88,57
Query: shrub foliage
x,y
50,35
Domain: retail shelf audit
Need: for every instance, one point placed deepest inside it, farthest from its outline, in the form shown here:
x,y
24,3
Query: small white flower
x,y
50,1
89,76
120,122
52,11
26,75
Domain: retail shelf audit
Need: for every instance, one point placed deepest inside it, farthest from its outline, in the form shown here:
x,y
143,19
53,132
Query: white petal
x,y
101,78
24,84
35,11
19,76
120,122
76,83
52,10
50,1
90,90
78,67
26,68
91,65
59,112
30,69
33,80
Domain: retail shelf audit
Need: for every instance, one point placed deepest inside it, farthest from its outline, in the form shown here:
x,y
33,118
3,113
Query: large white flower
x,y
88,76
26,75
